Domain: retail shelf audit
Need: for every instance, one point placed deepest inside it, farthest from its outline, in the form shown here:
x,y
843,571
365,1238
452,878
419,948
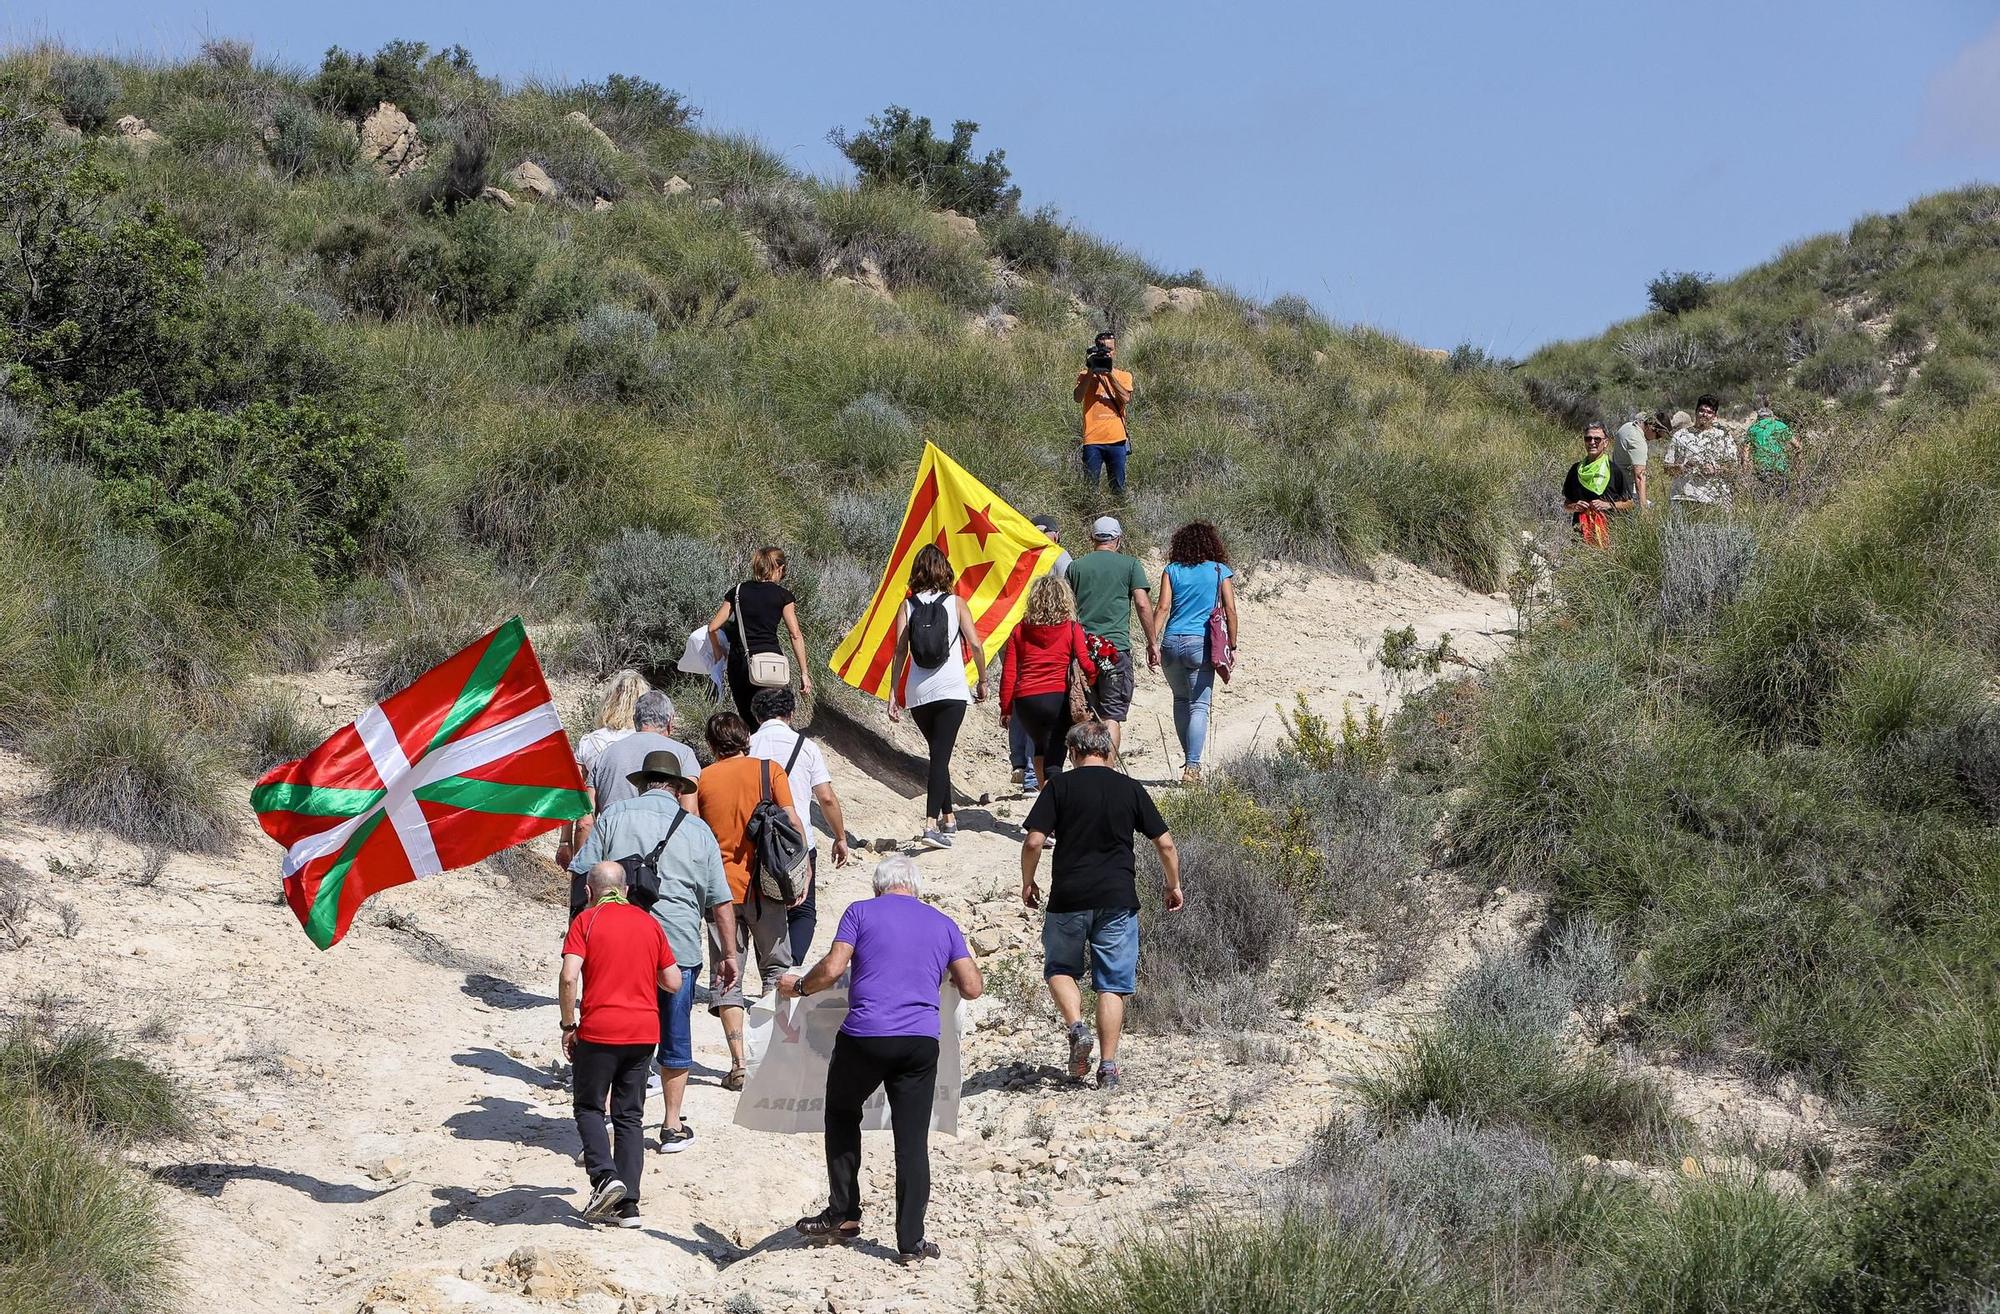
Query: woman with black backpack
x,y
934,636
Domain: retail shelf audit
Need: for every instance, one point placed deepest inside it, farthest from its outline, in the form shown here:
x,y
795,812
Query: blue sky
x,y
1495,173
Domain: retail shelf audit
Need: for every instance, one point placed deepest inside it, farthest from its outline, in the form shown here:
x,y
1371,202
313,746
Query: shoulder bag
x,y
768,670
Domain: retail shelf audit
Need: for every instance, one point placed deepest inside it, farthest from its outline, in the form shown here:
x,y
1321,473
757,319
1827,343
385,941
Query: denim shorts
x,y
1110,934
677,1022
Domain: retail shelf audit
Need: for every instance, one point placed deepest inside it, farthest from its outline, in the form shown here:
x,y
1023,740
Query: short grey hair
x,y
606,875
1089,739
654,708
898,871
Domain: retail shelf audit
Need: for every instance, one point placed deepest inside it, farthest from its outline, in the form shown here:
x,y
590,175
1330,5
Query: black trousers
x,y
741,691
939,723
907,1065
617,1071
1046,719
802,921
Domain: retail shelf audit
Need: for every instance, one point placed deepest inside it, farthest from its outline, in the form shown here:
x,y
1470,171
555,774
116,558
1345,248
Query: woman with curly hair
x,y
1034,675
1194,588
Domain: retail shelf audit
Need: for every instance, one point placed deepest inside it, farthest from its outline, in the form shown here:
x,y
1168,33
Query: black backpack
x,y
784,856
642,875
929,631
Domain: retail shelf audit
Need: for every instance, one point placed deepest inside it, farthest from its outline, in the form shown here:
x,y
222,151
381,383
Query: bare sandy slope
x,y
382,1129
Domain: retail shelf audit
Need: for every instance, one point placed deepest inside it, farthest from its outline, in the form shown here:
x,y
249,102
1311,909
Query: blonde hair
x,y
767,563
1050,602
621,698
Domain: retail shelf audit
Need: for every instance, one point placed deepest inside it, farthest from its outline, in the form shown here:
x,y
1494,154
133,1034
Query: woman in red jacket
x,y
1034,675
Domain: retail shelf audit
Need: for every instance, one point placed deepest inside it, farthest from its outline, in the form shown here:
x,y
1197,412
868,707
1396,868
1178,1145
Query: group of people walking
x,y
666,874
1709,468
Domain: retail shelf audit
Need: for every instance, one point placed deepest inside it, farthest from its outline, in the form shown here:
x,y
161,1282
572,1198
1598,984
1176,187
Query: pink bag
x,y
1220,654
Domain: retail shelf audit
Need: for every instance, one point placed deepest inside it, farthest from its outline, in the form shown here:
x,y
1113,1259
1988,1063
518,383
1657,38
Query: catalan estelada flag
x,y
993,549
470,759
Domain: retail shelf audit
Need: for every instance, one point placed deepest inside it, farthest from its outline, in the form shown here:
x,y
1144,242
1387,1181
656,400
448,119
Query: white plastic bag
x,y
790,1044
697,659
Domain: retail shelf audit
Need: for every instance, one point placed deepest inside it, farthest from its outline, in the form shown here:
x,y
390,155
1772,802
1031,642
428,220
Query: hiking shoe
x,y
1191,774
1018,773
673,1142
925,1250
936,838
823,1228
1107,1076
604,1199
628,1215
1080,1044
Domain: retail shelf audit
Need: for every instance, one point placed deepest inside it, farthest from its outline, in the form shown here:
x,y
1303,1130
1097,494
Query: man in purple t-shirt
x,y
902,949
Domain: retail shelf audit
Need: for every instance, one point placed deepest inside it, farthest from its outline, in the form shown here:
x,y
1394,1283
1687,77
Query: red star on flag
x,y
979,524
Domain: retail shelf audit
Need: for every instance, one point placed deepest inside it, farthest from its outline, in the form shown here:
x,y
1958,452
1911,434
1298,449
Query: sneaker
x,y
949,827
673,1142
925,1250
1080,1044
1018,773
1030,785
1107,1076
1191,774
652,1084
604,1199
936,838
628,1215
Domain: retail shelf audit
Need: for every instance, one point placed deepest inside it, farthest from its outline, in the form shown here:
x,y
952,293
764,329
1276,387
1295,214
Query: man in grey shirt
x,y
653,719
692,886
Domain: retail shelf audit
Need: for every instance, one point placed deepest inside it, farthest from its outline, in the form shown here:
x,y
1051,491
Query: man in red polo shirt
x,y
616,957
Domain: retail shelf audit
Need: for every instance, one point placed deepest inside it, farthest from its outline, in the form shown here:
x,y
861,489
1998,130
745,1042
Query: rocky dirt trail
x,y
384,1129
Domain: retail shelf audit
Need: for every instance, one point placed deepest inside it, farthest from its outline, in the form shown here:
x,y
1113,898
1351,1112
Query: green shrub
x,y
898,150
85,91
294,474
1501,1077
1929,1238
213,133
404,73
1718,1246
1206,963
481,268
129,761
1292,1262
1846,363
305,143
647,591
78,1235
80,1071
1953,381
634,108
1678,293
278,726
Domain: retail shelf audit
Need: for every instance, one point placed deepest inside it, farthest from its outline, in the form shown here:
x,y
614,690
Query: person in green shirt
x,y
1108,585
1772,446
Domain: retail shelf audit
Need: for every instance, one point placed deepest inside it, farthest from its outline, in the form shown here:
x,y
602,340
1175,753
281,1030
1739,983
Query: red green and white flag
x,y
468,760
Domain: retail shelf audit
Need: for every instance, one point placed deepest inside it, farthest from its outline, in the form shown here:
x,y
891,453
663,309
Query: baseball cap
x,y
1681,420
1047,524
1765,413
1106,528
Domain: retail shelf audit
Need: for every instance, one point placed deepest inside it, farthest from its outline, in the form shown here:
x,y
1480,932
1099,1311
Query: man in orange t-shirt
x,y
1105,392
726,795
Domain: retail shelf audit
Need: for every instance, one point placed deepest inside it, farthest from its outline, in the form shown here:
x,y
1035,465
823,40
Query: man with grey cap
x,y
1633,450
652,827
1108,584
1020,753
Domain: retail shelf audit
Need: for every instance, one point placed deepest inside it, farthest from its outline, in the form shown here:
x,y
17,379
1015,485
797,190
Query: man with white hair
x,y
653,719
615,962
901,950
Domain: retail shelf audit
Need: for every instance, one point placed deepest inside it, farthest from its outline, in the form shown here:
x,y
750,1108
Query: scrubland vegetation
x,y
264,403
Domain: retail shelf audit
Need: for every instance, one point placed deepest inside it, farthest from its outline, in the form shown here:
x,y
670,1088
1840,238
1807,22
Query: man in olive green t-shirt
x,y
1108,584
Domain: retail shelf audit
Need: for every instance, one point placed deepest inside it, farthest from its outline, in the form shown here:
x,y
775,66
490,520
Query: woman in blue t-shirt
x,y
1194,586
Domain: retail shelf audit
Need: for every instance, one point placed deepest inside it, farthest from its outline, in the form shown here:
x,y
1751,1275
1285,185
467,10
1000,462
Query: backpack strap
x,y
798,746
658,849
764,770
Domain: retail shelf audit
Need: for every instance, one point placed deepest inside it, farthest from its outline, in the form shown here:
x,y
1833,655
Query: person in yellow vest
x,y
1105,392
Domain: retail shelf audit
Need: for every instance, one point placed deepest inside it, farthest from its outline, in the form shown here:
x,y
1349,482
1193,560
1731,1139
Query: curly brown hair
x,y
931,572
727,735
1050,602
1196,544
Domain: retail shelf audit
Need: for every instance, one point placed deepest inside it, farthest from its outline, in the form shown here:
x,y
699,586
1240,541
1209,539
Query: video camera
x,y
1097,360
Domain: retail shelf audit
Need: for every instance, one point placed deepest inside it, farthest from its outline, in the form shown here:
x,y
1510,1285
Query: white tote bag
x,y
791,1043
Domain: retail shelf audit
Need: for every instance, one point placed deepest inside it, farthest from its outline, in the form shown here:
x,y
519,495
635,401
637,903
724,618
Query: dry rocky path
x,y
383,1128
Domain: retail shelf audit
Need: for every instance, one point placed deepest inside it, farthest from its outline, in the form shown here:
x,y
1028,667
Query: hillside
x,y
1618,936
1898,316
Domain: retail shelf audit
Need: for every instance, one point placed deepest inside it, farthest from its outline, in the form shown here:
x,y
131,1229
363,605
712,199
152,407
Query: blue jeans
x,y
676,1051
1110,934
1184,661
1106,457
1020,753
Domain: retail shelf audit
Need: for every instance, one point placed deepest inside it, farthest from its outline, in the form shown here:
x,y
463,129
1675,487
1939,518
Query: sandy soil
x,y
384,1129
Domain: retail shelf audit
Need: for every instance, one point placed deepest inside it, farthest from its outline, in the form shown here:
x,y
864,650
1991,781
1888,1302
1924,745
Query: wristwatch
x,y
568,1027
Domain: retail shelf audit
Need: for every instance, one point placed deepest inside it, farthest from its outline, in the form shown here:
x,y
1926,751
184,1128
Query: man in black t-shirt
x,y
1095,811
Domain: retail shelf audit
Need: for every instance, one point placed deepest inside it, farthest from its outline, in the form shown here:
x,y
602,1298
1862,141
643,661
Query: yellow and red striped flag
x,y
995,551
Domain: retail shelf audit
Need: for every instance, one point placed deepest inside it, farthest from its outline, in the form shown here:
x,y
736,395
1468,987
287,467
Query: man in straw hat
x,y
686,864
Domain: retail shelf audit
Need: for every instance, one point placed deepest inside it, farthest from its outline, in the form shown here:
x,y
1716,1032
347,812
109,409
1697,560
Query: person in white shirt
x,y
936,695
1704,461
805,766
